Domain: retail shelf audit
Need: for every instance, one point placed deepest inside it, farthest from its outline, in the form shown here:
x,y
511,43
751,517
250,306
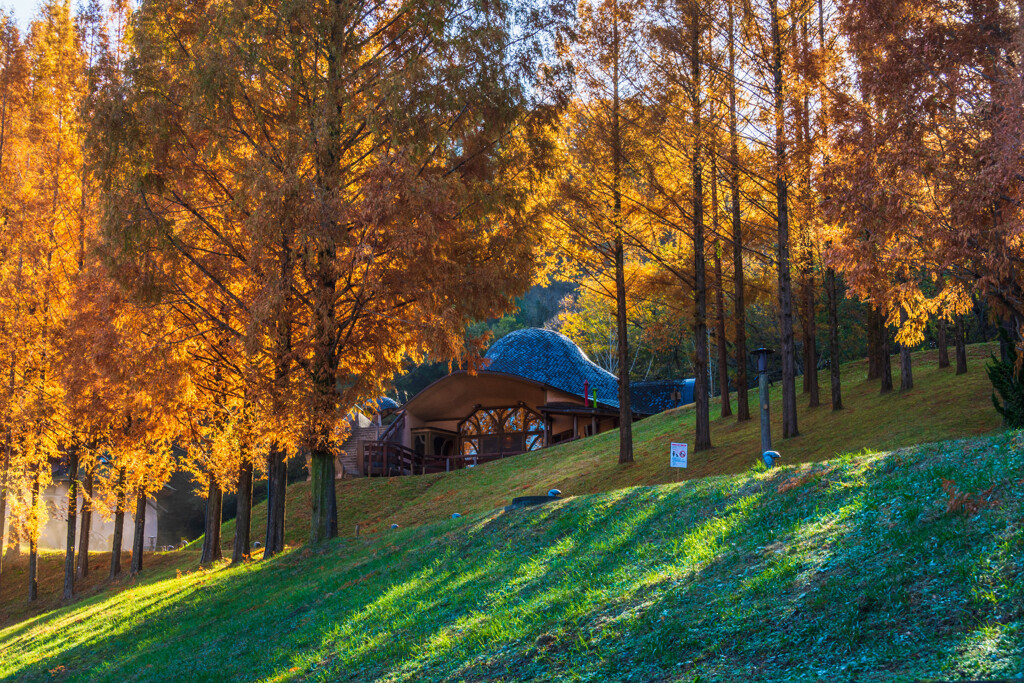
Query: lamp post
x,y
761,355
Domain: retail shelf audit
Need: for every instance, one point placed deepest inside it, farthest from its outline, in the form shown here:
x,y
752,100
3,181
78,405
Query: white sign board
x,y
677,455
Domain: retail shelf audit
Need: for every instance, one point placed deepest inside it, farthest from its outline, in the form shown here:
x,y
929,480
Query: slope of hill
x,y
941,406
902,566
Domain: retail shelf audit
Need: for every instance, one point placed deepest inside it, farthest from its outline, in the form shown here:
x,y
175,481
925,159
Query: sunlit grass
x,y
727,576
849,569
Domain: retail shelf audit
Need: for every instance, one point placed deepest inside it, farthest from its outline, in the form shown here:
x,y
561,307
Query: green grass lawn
x,y
941,406
852,568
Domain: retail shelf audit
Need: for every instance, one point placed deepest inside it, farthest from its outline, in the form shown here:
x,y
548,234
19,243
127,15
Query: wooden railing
x,y
389,459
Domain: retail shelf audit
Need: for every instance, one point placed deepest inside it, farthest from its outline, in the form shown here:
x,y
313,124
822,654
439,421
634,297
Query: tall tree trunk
x,y
325,365
831,287
960,340
118,540
321,485
701,387
720,341
139,539
906,371
808,284
742,402
3,517
243,518
980,312
886,363
332,497
33,541
723,350
622,334
4,467
323,294
1008,336
833,338
277,470
701,390
72,528
621,323
323,520
810,342
787,346
82,569
874,344
211,537
277,485
943,344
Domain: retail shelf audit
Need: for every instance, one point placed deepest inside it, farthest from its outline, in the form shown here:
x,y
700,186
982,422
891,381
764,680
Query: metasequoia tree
x,y
48,263
804,210
720,309
683,120
591,217
944,85
771,29
99,65
13,98
821,69
731,35
360,171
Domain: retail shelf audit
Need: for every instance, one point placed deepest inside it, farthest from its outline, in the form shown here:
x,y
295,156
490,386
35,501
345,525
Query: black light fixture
x,y
761,356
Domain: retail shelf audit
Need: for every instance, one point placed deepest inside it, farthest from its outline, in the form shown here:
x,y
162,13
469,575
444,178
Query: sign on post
x,y
677,455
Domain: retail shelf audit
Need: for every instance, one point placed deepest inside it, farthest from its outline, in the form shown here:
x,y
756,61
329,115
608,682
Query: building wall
x,y
101,532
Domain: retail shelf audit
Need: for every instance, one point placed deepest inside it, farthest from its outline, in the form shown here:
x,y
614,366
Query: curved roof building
x,y
529,394
553,359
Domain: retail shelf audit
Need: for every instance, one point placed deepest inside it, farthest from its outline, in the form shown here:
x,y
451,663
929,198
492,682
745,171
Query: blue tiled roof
x,y
655,397
381,404
552,358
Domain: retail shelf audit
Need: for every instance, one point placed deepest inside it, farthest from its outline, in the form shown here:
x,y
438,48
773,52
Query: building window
x,y
433,441
501,431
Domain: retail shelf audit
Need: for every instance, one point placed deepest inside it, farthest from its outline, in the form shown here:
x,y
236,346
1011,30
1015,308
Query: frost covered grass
x,y
907,565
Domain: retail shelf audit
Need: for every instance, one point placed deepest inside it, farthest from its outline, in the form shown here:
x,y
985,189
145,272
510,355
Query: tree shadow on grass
x,y
710,577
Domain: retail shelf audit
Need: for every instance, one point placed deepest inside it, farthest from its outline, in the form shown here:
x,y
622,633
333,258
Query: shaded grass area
x,y
941,406
859,568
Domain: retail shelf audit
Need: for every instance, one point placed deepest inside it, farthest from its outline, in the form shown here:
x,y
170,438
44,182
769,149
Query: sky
x,y
22,9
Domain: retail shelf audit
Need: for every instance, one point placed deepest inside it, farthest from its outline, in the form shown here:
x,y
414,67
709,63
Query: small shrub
x,y
964,502
1008,381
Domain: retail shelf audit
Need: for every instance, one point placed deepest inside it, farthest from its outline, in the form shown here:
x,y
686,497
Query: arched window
x,y
501,431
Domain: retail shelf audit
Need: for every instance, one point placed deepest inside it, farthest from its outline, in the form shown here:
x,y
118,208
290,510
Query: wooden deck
x,y
388,459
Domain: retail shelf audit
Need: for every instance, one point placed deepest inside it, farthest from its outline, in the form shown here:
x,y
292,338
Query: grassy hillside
x,y
903,566
941,406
